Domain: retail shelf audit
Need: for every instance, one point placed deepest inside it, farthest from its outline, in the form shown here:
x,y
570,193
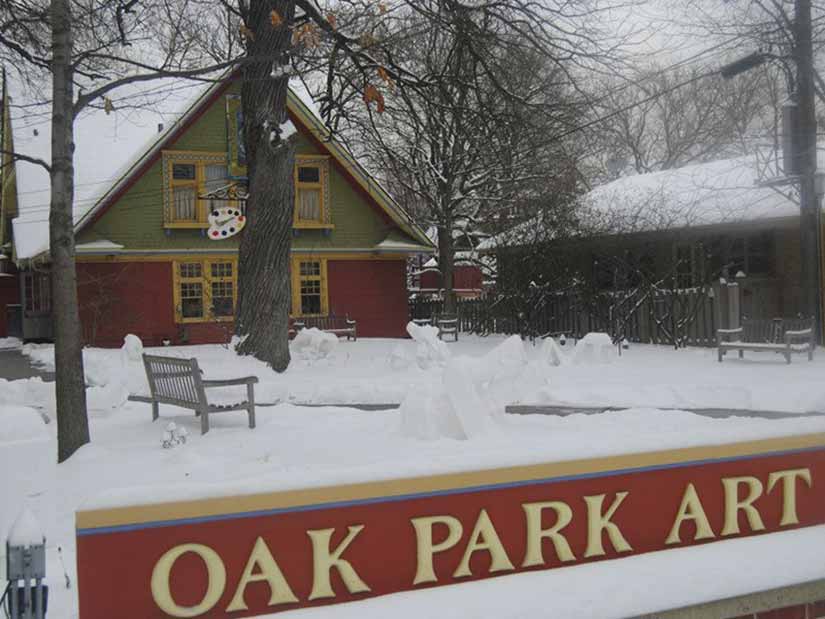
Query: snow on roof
x,y
101,245
706,194
106,146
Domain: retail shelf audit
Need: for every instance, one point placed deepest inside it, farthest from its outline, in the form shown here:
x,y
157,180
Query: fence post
x,y
734,306
720,310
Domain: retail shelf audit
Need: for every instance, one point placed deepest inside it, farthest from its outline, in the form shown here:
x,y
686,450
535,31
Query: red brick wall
x,y
373,292
9,295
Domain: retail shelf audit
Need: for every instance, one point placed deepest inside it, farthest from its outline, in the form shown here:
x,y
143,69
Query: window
x,y
187,177
205,289
37,295
311,192
309,287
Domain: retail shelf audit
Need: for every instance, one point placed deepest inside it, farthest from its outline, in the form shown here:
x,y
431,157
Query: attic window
x,y
312,192
187,175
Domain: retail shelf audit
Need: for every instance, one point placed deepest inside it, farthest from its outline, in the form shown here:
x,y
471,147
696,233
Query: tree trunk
x,y
446,264
264,297
72,422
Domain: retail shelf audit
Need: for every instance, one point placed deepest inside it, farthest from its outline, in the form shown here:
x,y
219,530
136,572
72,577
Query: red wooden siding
x,y
465,277
136,297
126,297
373,292
9,295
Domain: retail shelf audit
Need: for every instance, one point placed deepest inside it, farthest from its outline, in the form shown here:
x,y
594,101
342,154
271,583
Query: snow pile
x,y
10,343
26,530
29,392
594,348
552,353
400,358
27,459
313,343
430,351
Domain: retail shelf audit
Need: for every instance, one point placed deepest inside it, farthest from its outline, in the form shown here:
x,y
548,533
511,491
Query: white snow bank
x,y
313,343
21,423
27,461
132,348
26,530
594,348
10,343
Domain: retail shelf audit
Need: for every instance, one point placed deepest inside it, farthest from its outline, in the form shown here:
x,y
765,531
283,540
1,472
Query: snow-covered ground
x,y
297,446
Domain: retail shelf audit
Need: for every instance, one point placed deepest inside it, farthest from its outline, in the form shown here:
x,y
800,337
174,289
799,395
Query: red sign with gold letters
x,y
251,555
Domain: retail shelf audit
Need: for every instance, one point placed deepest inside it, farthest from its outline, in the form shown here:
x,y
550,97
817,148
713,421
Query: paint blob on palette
x,y
225,222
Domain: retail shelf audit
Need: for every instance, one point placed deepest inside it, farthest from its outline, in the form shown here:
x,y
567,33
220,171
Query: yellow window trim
x,y
206,281
321,162
296,285
200,159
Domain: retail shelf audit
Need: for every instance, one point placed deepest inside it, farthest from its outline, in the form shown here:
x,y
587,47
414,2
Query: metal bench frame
x,y
178,382
337,325
774,335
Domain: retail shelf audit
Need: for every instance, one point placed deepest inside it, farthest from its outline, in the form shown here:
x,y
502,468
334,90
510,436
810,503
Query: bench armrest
x,y
141,398
246,380
350,323
800,333
729,331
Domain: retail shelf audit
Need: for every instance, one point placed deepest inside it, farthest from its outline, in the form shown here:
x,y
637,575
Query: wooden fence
x,y
681,317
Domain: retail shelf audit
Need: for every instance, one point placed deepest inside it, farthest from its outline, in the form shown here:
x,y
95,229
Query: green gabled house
x,y
148,265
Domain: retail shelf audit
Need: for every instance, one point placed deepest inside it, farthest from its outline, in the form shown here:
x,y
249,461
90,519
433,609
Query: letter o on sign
x,y
163,568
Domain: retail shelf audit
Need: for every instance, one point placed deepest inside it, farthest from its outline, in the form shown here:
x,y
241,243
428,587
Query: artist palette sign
x,y
252,555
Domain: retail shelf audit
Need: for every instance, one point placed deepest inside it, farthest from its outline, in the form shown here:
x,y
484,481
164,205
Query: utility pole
x,y
805,147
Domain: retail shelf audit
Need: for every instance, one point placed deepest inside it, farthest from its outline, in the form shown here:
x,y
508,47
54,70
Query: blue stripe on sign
x,y
123,528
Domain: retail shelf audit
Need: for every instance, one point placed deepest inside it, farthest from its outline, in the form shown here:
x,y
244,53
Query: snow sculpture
x,y
552,353
132,348
430,350
314,344
594,348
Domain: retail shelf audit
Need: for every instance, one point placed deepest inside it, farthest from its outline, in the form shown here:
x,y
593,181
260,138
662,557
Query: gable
x,y
132,213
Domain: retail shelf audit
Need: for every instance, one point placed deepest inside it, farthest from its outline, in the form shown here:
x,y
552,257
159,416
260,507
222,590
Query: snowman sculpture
x,y
224,222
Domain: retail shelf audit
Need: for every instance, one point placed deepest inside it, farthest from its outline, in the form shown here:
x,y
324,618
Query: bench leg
x,y
720,355
155,411
204,422
250,398
810,353
741,354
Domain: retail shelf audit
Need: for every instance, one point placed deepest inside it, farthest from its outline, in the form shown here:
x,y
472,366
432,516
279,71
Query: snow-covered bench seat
x,y
783,336
447,325
178,382
337,325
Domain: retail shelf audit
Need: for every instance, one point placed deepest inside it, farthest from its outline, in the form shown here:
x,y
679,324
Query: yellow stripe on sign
x,y
200,508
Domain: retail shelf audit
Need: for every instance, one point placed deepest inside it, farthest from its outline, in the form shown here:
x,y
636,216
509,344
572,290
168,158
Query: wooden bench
x,y
447,325
178,382
783,336
338,325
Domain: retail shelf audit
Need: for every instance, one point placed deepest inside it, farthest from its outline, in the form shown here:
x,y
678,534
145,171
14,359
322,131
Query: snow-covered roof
x,y
106,148
109,148
707,194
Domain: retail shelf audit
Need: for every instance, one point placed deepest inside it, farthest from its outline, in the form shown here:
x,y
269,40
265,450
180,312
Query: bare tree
x,y
659,119
86,50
